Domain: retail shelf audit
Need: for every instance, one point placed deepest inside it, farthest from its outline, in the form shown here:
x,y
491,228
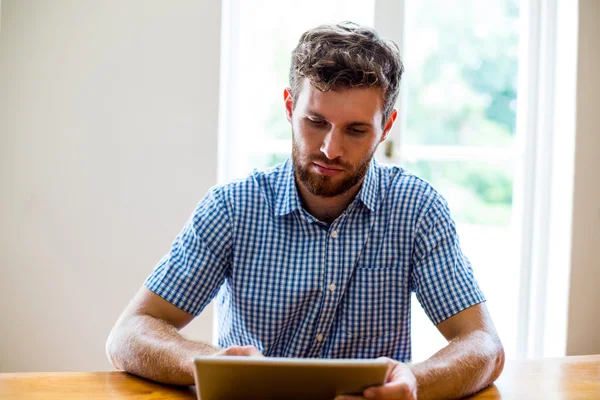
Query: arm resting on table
x,y
473,359
145,341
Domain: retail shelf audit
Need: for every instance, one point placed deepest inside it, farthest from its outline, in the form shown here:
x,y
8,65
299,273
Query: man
x,y
317,257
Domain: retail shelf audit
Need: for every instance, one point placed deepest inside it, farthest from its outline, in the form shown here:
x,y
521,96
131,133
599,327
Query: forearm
x,y
465,366
153,349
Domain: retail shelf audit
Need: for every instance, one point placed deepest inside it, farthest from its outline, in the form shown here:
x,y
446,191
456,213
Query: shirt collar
x,y
288,199
287,193
369,190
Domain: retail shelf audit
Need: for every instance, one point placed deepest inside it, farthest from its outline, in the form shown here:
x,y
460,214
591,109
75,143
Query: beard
x,y
323,185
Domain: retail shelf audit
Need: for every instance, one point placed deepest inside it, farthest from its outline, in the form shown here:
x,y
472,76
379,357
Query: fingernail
x,y
369,393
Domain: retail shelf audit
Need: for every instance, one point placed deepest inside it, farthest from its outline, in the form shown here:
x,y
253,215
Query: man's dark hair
x,y
347,55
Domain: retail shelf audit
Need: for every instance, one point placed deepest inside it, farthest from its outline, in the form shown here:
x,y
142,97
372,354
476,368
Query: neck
x,y
326,209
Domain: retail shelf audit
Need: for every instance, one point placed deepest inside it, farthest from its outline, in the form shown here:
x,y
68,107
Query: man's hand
x,y
249,351
400,383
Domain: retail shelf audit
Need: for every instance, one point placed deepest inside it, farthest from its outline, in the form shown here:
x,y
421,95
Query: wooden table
x,y
554,378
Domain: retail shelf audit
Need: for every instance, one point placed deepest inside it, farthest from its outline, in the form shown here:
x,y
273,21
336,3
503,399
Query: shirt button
x,y
332,287
319,337
334,234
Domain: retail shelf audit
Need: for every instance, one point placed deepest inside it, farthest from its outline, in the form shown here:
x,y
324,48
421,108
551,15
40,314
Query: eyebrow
x,y
353,123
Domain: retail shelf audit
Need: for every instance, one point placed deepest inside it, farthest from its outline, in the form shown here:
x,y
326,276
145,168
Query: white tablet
x,y
235,377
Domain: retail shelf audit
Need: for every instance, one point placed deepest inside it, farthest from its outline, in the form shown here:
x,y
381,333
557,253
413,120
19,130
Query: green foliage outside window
x,y
461,65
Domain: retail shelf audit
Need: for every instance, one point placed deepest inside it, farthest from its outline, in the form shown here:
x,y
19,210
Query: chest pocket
x,y
375,302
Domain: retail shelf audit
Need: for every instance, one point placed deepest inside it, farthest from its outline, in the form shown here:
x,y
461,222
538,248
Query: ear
x,y
289,103
388,125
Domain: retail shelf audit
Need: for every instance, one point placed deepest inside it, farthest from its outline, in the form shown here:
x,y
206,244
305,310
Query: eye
x,y
358,131
316,122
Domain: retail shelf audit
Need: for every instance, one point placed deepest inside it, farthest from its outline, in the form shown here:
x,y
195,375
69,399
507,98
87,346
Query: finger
x,y
231,351
391,364
392,390
348,397
252,351
223,352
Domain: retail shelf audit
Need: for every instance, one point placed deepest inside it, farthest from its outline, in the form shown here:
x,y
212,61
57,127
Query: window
x,y
460,135
262,35
464,122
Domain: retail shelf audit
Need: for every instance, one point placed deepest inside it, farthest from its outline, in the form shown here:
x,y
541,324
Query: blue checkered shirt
x,y
296,287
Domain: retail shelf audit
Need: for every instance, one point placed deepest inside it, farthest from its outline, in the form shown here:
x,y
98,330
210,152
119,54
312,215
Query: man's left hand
x,y
400,383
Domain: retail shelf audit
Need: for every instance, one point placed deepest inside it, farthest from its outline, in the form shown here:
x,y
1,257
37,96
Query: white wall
x,y
108,138
583,332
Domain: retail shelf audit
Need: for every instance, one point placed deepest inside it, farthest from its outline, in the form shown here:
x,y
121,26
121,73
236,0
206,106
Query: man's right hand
x,y
249,351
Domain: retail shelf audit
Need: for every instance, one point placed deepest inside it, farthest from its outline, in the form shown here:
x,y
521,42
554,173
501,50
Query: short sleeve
x,y
190,275
441,275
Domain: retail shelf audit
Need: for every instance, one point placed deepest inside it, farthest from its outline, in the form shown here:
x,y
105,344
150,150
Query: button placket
x,y
331,276
333,235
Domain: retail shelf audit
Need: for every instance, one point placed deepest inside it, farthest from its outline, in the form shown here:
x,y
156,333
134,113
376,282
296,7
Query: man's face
x,y
335,135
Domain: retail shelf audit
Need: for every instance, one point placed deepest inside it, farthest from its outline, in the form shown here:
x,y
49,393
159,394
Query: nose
x,y
332,145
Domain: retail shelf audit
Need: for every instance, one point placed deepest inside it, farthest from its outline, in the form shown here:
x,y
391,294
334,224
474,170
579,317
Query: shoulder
x,y
404,189
260,187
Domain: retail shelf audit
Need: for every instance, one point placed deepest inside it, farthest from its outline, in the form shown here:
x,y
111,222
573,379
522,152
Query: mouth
x,y
324,169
